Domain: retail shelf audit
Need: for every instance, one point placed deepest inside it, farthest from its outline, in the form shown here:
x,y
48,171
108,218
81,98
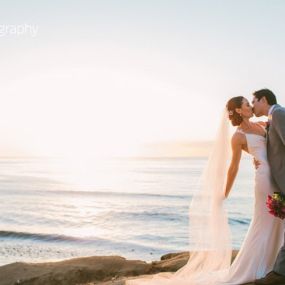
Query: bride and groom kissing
x,y
266,143
261,258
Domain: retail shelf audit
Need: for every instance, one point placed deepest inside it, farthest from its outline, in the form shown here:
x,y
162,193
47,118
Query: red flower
x,y
276,205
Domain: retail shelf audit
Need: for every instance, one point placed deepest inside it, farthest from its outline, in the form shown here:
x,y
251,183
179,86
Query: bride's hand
x,y
256,163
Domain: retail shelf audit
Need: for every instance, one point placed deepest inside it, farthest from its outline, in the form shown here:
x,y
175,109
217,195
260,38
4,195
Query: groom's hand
x,y
256,163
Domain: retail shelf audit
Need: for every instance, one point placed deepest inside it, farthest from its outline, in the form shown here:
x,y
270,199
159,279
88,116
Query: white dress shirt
x,y
270,112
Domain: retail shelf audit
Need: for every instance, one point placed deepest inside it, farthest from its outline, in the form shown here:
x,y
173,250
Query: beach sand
x,y
105,270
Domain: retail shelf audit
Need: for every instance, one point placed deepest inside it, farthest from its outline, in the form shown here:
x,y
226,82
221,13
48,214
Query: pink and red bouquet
x,y
276,205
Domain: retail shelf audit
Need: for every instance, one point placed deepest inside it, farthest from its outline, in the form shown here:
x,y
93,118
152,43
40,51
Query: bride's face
x,y
246,109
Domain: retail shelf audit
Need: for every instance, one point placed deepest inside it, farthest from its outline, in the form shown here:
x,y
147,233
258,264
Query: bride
x,y
210,238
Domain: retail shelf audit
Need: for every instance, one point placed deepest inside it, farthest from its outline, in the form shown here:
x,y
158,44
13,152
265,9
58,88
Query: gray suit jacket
x,y
276,147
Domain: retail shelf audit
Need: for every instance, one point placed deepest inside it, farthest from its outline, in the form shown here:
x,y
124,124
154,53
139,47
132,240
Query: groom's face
x,y
257,107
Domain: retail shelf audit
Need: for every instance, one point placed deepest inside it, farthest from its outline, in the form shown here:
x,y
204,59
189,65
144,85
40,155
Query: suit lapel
x,y
269,123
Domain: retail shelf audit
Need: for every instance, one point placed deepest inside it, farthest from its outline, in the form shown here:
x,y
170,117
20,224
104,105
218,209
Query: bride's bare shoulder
x,y
237,138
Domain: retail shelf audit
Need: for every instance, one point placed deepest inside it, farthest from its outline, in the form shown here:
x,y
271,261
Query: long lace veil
x,y
209,231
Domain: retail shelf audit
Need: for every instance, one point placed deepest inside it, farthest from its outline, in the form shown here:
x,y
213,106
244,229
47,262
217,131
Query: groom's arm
x,y
278,123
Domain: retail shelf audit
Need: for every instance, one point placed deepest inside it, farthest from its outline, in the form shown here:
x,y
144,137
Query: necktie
x,y
267,130
267,125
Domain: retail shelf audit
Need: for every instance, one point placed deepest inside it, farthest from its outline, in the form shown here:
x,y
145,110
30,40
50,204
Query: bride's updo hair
x,y
232,104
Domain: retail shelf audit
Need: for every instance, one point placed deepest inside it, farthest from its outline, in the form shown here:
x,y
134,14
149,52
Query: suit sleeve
x,y
278,123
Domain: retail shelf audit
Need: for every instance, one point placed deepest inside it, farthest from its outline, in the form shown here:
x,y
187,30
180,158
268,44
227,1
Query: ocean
x,y
54,208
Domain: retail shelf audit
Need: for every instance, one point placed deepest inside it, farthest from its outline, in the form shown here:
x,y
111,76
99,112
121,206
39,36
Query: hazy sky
x,y
107,76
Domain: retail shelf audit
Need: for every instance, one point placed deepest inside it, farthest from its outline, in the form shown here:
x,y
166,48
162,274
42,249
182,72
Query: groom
x,y
265,104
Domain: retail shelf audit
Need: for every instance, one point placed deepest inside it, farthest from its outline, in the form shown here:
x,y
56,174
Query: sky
x,y
110,77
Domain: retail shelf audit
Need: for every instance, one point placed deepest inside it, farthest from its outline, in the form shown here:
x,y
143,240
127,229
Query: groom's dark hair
x,y
268,94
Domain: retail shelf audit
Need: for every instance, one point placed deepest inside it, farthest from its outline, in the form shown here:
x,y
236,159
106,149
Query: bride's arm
x,y
233,169
261,123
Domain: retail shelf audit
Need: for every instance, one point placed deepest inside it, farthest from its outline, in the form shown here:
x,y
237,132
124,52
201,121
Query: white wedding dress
x,y
260,247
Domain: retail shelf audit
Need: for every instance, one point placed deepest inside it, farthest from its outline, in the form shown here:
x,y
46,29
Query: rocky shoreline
x,y
105,270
